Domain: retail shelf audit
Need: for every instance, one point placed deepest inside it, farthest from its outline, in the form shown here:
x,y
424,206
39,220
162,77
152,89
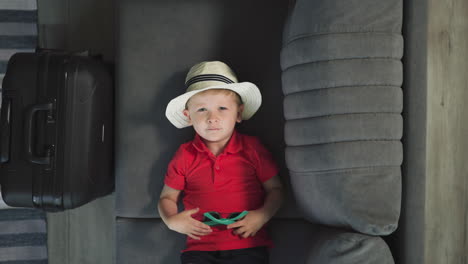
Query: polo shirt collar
x,y
234,144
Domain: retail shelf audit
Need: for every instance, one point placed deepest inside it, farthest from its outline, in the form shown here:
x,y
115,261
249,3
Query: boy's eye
x,y
222,108
201,110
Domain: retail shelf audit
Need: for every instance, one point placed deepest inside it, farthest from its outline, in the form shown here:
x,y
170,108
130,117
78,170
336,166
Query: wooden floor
x,y
85,235
446,230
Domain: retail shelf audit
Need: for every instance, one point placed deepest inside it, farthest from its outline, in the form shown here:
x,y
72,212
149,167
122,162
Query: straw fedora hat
x,y
213,75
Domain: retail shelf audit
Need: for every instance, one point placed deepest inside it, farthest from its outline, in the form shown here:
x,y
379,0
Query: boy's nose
x,y
212,118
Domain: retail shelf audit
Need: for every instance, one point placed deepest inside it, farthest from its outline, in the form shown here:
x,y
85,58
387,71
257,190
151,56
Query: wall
x,y
78,25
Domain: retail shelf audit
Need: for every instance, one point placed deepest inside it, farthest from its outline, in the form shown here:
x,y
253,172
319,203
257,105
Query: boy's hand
x,y
185,224
250,224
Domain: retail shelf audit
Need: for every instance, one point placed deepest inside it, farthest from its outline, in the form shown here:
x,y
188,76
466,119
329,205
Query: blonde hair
x,y
225,92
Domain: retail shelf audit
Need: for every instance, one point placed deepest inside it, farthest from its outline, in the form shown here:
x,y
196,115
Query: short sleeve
x,y
266,167
175,175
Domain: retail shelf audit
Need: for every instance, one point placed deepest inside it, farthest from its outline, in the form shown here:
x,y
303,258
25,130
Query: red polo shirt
x,y
230,182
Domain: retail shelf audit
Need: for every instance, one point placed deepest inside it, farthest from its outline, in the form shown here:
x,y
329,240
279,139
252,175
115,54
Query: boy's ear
x,y
187,114
239,113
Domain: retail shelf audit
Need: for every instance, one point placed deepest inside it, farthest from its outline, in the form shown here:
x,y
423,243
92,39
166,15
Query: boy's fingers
x,y
240,231
193,211
194,237
234,225
199,233
202,225
204,231
208,229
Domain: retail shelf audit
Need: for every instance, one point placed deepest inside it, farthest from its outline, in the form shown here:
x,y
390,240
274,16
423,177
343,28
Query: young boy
x,y
219,171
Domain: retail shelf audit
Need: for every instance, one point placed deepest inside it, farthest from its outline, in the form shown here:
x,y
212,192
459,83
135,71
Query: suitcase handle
x,y
5,130
28,133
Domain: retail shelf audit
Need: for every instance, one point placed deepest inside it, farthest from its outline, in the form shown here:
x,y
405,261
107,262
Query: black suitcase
x,y
56,134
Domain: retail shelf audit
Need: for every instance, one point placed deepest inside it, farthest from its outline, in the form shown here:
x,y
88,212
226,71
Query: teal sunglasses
x,y
214,218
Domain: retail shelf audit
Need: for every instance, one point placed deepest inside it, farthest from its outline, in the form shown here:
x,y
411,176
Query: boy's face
x,y
214,115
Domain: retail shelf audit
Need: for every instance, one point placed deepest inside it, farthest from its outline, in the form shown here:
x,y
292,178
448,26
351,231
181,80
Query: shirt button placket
x,y
216,170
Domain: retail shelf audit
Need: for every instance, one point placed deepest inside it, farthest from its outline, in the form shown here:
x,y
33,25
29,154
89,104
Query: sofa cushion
x,y
364,199
344,155
343,16
333,246
342,73
346,127
343,100
325,47
296,241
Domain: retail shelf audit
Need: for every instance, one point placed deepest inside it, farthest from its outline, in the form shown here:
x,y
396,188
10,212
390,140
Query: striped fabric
x,y
208,77
18,30
23,237
23,234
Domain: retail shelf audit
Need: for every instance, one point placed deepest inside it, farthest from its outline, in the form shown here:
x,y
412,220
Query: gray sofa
x,y
339,149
